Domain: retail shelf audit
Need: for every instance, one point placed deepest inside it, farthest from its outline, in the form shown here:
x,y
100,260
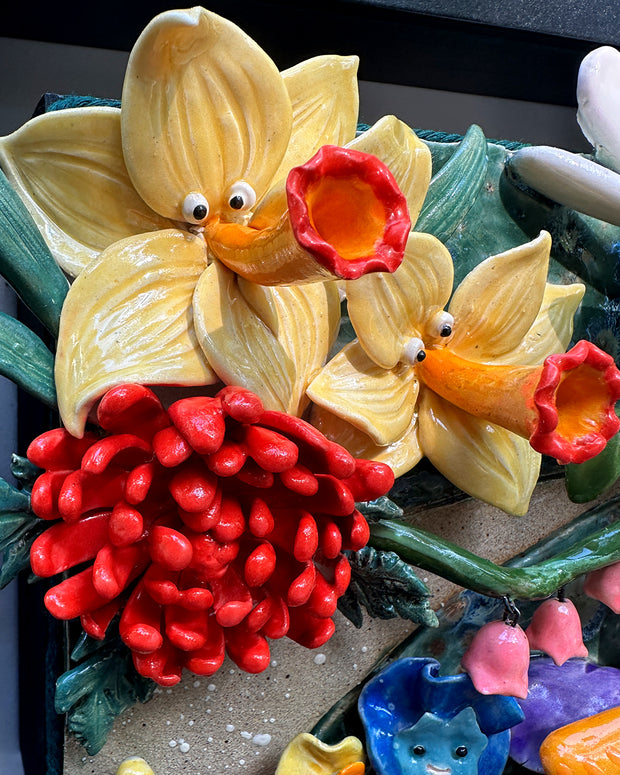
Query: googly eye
x,y
461,751
441,324
418,750
414,351
241,196
195,208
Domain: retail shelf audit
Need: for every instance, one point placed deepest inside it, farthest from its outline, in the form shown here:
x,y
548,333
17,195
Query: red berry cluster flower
x,y
211,526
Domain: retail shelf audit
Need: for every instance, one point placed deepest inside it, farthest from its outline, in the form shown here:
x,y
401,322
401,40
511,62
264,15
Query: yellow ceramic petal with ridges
x,y
402,455
387,310
380,402
307,755
68,168
128,318
239,345
497,303
406,156
552,330
325,101
305,320
203,107
134,766
484,460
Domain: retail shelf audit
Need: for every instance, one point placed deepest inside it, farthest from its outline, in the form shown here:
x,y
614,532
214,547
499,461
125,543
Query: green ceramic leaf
x,y
25,360
16,548
98,690
26,262
381,508
455,188
386,587
12,499
586,481
24,471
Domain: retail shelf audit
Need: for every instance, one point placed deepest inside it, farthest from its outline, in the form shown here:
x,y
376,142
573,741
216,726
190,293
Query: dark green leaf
x,y
26,262
386,587
16,552
24,471
95,692
586,481
381,508
25,360
12,499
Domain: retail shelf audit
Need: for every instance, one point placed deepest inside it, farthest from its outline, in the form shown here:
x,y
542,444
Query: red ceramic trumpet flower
x,y
211,527
564,407
348,212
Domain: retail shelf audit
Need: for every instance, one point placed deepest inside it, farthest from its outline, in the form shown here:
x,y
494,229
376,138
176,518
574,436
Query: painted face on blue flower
x,y
434,746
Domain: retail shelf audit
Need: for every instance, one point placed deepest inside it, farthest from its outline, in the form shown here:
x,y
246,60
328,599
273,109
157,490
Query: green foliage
x,y
26,361
98,690
586,481
26,262
18,529
387,588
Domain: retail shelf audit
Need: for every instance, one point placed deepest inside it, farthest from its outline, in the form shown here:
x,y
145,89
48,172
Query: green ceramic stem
x,y
432,553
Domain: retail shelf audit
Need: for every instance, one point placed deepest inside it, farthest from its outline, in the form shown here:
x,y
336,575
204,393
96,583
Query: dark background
x,y
515,48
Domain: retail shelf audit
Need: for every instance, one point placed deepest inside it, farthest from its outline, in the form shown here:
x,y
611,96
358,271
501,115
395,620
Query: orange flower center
x,y
582,402
347,213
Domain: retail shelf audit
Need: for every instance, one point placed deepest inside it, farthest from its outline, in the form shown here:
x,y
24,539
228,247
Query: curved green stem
x,y
430,552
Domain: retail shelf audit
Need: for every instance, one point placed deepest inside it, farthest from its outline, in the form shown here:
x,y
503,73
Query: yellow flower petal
x,y
68,168
402,455
238,343
325,101
387,310
497,303
484,460
128,318
203,107
305,320
307,755
552,330
406,156
380,402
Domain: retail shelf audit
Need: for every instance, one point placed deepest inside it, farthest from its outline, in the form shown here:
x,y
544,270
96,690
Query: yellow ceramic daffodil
x,y
451,385
173,213
307,755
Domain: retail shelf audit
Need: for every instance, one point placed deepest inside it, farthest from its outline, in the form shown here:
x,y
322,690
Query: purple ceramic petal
x,y
559,696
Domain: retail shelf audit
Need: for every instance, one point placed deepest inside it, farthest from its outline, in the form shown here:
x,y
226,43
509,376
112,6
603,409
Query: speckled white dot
x,y
190,723
196,684
230,727
172,743
364,649
246,735
320,659
211,687
184,747
263,739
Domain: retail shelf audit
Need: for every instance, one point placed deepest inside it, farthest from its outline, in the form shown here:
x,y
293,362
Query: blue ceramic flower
x,y
419,722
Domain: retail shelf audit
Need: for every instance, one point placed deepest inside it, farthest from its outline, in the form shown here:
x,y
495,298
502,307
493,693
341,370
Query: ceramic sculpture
x,y
236,208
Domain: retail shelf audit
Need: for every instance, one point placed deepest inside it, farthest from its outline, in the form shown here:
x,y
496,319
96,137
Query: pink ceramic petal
x,y
556,630
497,660
604,585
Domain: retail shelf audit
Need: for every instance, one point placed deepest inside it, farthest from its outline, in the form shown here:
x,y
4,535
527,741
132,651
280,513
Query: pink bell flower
x,y
556,630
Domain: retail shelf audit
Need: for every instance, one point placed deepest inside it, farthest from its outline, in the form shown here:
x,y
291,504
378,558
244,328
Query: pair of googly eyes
x,y
440,326
195,208
460,751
